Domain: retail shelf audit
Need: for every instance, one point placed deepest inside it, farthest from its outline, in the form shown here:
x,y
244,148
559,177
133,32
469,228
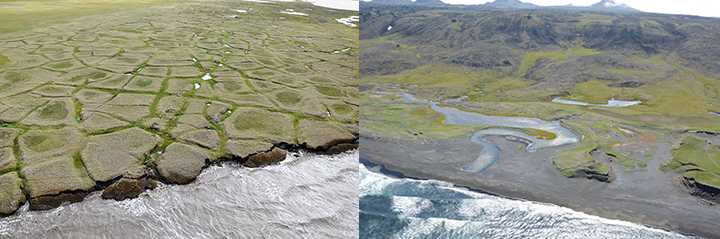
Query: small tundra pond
x,y
610,103
490,154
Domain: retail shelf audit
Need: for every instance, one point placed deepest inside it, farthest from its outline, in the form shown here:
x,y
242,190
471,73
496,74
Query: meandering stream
x,y
490,154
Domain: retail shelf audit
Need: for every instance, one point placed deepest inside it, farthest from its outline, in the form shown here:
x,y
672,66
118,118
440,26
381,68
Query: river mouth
x,y
490,154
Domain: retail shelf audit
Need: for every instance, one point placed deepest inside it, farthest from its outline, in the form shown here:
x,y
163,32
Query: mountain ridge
x,y
603,5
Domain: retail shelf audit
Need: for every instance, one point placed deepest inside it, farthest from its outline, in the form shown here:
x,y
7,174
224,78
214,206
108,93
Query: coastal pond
x,y
611,103
490,154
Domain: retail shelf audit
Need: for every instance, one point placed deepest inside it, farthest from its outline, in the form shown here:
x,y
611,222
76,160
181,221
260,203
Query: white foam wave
x,y
497,216
409,206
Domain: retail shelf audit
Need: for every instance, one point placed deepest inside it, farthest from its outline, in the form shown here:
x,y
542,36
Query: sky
x,y
706,8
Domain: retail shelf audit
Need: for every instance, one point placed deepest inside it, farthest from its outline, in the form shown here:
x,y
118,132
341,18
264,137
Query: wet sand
x,y
646,195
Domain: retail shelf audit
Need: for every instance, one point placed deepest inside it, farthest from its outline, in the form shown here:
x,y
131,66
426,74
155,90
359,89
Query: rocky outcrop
x,y
600,171
53,201
181,163
702,190
241,149
336,149
54,181
265,158
128,188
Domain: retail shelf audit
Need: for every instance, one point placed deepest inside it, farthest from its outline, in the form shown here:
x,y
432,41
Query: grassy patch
x,y
697,160
4,60
398,121
569,161
704,178
288,97
531,57
439,82
342,109
594,91
55,110
93,76
61,65
143,83
77,161
330,91
11,168
626,162
585,21
695,151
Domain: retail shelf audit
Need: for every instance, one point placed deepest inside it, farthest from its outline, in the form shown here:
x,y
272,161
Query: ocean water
x,y
392,207
309,196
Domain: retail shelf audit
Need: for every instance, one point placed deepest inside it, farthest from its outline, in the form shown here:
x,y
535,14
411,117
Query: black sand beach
x,y
646,195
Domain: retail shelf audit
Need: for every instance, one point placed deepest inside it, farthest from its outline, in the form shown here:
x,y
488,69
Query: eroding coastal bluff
x,y
117,101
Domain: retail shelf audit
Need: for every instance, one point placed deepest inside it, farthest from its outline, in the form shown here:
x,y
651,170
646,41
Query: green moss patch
x,y
330,91
253,123
531,57
288,97
4,60
704,177
696,159
56,110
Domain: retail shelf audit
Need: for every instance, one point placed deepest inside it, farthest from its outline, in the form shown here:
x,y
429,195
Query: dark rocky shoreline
x,y
131,186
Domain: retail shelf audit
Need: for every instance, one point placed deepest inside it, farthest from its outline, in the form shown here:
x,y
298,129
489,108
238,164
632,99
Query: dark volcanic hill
x,y
509,4
496,40
603,5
